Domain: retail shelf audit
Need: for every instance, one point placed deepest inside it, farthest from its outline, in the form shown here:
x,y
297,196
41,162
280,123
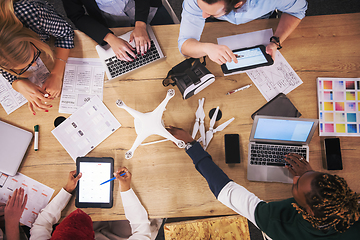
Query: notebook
x,y
14,142
116,68
270,139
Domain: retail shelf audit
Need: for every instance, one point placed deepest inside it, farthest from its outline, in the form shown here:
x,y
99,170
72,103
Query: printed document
x,y
38,195
86,128
83,79
270,80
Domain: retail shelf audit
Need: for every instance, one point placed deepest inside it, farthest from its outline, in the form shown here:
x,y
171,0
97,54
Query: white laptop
x,y
273,137
14,142
116,68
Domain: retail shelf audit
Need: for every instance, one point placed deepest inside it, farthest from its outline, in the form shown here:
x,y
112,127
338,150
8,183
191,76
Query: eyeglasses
x,y
36,56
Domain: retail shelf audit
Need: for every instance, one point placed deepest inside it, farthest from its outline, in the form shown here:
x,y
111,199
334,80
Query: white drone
x,y
150,123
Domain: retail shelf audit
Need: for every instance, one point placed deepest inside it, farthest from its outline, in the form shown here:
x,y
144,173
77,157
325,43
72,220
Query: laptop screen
x,y
283,130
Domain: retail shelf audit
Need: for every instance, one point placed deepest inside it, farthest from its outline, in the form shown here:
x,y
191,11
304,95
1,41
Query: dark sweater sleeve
x,y
92,24
203,162
142,8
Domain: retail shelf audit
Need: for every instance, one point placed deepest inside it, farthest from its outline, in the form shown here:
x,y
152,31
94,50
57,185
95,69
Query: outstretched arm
x,y
226,191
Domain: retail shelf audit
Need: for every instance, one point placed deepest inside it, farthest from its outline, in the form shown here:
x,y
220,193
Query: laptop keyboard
x,y
118,67
273,155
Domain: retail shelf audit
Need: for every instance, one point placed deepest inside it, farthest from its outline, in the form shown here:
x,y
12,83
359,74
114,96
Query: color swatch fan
x,y
339,104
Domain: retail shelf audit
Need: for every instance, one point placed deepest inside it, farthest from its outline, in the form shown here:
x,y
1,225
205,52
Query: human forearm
x,y
194,48
48,216
61,56
136,214
12,230
286,26
240,200
215,177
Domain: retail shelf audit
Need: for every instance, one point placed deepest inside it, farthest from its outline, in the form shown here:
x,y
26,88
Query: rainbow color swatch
x,y
339,105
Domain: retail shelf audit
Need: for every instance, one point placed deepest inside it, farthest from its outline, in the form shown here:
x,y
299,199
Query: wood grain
x,y
164,177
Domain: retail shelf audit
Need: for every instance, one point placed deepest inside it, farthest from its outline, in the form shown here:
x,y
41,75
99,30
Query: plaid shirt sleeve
x,y
8,76
41,17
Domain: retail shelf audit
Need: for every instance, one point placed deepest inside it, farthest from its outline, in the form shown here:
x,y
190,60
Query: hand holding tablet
x,y
248,58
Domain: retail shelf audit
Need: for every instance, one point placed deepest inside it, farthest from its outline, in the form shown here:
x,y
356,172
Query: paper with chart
x,y
83,79
39,195
270,80
339,105
86,128
11,99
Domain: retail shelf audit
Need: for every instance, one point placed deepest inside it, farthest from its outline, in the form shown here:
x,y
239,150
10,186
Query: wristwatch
x,y
276,40
189,145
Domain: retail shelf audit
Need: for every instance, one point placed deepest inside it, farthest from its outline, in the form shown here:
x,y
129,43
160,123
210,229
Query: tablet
x,y
89,192
248,58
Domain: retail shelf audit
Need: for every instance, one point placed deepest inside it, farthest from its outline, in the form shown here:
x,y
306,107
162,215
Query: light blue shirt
x,y
192,22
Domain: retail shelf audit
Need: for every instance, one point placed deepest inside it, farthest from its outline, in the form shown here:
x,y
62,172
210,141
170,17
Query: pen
x,y
112,179
239,89
36,140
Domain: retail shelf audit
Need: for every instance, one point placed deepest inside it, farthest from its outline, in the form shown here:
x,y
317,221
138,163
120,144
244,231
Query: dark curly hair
x,y
334,204
229,4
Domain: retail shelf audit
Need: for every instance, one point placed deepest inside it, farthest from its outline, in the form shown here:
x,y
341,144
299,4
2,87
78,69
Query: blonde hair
x,y
15,39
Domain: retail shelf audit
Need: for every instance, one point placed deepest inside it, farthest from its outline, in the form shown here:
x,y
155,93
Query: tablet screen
x,y
248,57
90,190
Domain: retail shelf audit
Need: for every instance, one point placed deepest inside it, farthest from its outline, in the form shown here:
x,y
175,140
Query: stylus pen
x,y
36,138
112,179
239,89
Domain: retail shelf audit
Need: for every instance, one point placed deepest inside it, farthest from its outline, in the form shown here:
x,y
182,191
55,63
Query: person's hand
x,y
219,53
120,47
142,40
180,134
299,165
53,85
72,181
34,95
271,49
15,207
124,180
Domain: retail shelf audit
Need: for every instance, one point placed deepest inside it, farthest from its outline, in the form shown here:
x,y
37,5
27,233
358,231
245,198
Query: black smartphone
x,y
232,148
333,154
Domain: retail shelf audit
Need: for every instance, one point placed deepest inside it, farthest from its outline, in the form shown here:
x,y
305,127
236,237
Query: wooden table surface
x,y
164,177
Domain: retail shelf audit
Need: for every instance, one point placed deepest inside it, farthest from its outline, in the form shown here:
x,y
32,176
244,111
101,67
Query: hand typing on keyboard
x,y
122,49
298,164
141,37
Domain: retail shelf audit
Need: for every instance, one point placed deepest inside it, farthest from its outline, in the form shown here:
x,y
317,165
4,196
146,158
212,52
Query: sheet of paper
x,y
83,79
39,195
86,128
11,99
339,105
270,80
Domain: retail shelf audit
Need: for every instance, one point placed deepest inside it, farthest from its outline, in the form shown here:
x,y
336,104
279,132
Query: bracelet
x,y
276,40
61,60
189,145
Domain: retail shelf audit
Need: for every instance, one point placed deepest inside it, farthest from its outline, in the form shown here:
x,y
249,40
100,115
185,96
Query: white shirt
x,y
134,212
